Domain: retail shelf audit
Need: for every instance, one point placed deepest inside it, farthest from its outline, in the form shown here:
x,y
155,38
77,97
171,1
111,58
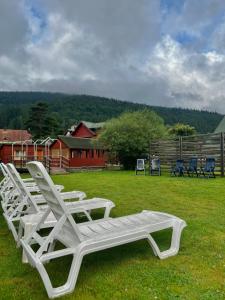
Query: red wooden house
x,y
16,146
12,135
73,150
85,129
76,149
20,153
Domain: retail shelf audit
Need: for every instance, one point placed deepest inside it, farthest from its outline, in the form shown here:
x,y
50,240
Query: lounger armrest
x,y
73,195
59,187
28,180
88,204
39,199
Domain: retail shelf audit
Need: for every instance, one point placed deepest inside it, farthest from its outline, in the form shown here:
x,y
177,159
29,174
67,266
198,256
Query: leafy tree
x,y
41,123
180,129
129,135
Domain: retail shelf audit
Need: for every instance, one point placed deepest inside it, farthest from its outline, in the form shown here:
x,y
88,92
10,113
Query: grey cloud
x,y
122,25
13,27
115,49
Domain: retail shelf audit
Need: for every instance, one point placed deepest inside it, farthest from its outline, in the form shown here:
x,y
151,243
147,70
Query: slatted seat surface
x,y
101,229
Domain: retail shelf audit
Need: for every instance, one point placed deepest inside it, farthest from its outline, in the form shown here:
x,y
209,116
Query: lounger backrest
x,y
5,179
54,200
21,186
2,166
14,184
140,164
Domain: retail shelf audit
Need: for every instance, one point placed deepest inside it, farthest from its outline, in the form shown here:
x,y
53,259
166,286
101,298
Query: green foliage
x,y
180,129
14,107
129,135
40,123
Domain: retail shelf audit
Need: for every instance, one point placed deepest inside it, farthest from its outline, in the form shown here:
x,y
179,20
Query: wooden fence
x,y
200,146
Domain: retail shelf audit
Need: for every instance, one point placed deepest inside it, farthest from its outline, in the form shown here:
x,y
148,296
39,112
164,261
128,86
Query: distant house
x,y
12,135
85,129
221,126
77,149
16,146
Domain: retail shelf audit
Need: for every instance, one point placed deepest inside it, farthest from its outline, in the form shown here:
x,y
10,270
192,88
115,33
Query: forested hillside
x,y
69,109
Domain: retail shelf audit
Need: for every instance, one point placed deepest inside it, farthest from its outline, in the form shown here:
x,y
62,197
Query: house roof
x,y
79,143
90,125
221,126
12,135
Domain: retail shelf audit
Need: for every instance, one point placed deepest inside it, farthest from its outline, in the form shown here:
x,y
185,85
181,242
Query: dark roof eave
x,y
78,143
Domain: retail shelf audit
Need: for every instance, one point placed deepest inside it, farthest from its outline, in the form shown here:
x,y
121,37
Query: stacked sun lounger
x,y
34,204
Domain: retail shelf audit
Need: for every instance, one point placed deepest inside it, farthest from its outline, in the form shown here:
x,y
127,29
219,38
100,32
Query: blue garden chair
x,y
209,168
193,167
178,170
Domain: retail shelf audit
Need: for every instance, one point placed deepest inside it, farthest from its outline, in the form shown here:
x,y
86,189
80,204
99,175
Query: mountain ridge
x,y
69,109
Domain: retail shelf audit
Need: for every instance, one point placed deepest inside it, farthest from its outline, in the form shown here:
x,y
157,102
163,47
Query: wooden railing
x,y
59,162
48,162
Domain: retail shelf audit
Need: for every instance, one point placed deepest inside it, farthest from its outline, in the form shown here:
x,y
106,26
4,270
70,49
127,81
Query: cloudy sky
x,y
167,53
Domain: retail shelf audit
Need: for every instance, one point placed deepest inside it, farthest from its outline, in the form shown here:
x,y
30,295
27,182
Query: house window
x,y
87,151
92,153
18,154
76,153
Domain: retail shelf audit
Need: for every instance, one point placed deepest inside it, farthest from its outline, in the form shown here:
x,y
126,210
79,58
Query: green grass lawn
x,y
132,271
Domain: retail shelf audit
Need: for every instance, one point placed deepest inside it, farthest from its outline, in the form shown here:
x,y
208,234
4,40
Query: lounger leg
x,y
107,211
11,227
178,226
27,230
69,286
20,234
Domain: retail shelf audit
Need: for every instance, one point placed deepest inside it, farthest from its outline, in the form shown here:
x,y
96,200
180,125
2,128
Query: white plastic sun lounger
x,y
5,181
9,192
6,184
84,238
28,181
35,206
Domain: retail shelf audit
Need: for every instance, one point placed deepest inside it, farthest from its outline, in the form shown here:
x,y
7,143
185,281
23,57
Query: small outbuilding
x,y
77,152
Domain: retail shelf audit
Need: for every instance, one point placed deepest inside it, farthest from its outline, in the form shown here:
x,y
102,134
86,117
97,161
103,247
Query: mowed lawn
x,y
132,271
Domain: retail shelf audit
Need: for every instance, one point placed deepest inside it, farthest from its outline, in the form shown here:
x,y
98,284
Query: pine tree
x,y
40,123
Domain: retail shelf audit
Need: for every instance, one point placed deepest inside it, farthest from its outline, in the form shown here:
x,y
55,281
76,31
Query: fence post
x,y
180,147
222,153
